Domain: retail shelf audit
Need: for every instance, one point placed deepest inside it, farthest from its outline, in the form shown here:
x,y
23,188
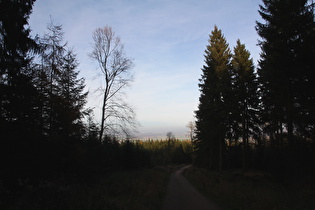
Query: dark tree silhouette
x,y
117,116
286,69
18,96
16,89
72,98
245,88
212,116
62,92
53,49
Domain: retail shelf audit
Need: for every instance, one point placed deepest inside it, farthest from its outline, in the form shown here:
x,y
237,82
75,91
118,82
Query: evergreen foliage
x,y
44,137
213,112
50,69
62,93
286,76
245,89
286,69
73,98
260,120
263,120
18,105
16,88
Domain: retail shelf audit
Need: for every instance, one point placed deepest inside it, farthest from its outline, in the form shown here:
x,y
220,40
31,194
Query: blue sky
x,y
165,38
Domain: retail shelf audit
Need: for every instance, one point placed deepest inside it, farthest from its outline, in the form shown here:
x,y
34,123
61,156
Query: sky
x,y
166,40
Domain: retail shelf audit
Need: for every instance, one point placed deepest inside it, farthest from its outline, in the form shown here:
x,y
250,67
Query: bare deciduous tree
x,y
117,116
191,126
170,136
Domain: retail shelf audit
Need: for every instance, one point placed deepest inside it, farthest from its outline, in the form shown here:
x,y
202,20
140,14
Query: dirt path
x,y
182,195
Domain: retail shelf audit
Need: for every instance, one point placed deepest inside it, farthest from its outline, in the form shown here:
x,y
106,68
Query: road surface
x,y
181,195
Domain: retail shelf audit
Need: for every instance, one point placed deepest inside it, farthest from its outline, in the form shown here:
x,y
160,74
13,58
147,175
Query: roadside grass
x,y
137,189
252,190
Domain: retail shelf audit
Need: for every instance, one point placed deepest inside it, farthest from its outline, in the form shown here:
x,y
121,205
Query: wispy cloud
x,y
166,38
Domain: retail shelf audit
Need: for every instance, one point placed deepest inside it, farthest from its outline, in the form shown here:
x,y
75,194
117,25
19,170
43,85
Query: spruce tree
x,y
72,98
17,93
53,50
18,96
245,89
286,67
62,92
212,116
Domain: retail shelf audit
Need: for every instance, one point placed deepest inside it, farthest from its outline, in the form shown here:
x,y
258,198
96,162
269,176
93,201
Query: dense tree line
x,y
246,118
260,118
42,99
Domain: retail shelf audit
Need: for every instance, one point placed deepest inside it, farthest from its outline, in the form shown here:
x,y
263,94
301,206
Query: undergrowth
x,y
252,190
137,189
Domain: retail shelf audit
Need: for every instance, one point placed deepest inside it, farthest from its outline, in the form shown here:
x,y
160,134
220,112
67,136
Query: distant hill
x,y
160,133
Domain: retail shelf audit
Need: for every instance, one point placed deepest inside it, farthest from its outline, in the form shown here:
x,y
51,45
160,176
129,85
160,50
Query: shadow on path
x,y
181,195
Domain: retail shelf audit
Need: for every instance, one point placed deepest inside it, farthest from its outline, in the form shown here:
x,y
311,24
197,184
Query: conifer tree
x,y
17,94
245,91
62,92
53,49
212,116
286,68
18,105
72,97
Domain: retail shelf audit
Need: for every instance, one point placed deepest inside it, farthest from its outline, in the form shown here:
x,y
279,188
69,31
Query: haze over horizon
x,y
166,40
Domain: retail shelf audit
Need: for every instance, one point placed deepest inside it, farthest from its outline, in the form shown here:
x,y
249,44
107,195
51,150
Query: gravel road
x,y
182,195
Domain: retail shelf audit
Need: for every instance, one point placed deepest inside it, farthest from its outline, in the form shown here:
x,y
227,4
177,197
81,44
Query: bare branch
x,y
108,51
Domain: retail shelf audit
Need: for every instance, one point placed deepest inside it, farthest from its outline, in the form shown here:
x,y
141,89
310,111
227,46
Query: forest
x,y
50,141
248,118
261,118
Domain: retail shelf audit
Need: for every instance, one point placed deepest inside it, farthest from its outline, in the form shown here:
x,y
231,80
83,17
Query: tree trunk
x,y
102,120
244,136
221,155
